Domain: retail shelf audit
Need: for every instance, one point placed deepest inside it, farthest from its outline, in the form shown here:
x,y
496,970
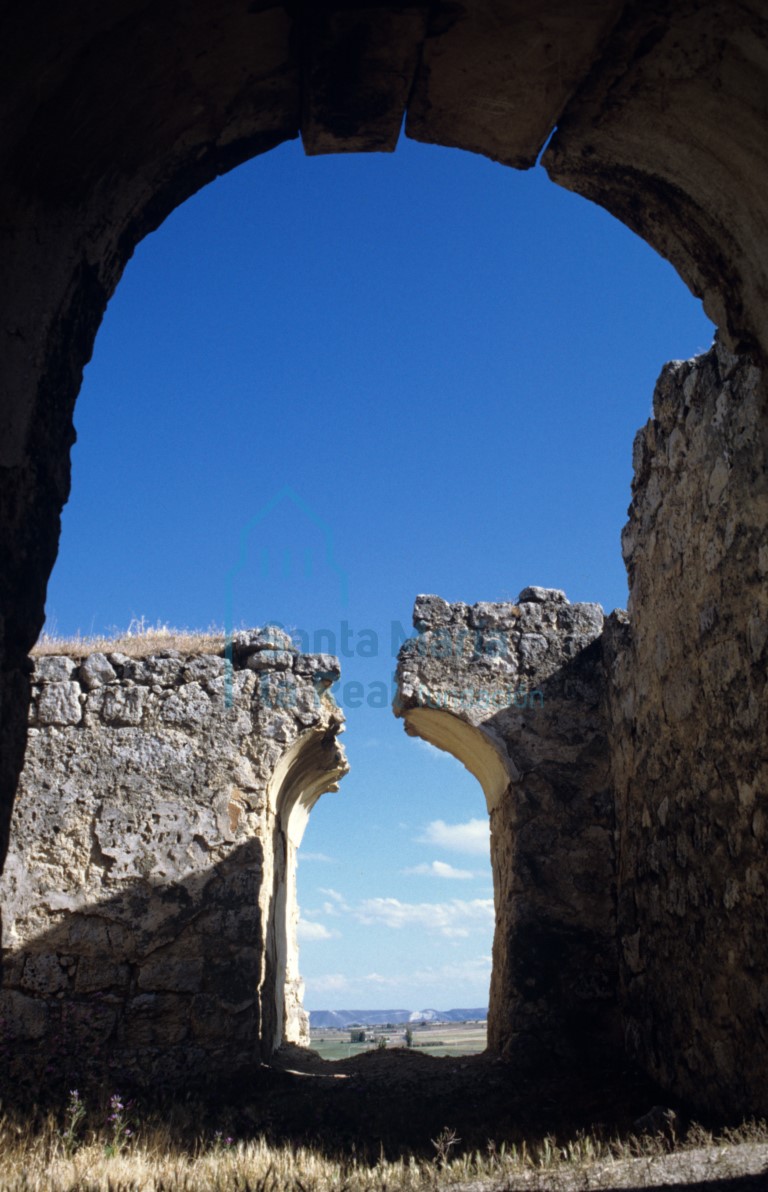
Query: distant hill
x,y
344,1018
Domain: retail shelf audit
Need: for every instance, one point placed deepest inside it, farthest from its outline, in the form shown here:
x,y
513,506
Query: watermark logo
x,y
289,558
287,545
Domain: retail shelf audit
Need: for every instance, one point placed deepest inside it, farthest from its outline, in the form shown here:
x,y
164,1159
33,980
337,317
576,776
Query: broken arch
x,y
659,117
149,898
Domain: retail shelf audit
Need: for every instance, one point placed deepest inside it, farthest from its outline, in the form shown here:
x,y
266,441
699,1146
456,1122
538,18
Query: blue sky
x,y
373,375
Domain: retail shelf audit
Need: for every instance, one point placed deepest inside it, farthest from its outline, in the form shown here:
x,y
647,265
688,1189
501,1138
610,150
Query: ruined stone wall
x,y
515,691
657,722
148,898
689,707
149,906
658,111
660,116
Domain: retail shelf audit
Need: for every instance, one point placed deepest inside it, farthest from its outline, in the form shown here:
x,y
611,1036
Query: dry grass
x,y
139,640
51,1160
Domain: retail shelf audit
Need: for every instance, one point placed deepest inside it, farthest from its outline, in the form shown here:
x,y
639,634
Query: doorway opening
x,y
421,442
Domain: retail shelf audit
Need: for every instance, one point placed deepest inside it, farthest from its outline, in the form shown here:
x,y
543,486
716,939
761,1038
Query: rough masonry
x,y
689,738
625,762
149,892
515,691
149,897
115,114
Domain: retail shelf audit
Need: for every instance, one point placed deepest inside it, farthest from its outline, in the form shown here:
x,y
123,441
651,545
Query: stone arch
x,y
475,748
486,758
311,767
115,115
517,718
148,890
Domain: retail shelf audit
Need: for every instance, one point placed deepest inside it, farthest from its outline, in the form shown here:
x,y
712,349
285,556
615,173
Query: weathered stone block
x,y
54,668
490,616
204,670
59,703
155,670
271,637
95,973
44,974
154,1019
209,1026
179,974
542,596
533,647
96,670
189,706
116,706
430,611
322,669
262,660
88,935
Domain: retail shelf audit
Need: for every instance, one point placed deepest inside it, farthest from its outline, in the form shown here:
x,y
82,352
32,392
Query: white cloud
x,y
440,869
316,857
335,903
475,972
455,919
329,983
472,837
314,931
469,972
454,984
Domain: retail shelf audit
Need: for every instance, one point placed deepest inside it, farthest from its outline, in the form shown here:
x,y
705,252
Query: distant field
x,y
449,1038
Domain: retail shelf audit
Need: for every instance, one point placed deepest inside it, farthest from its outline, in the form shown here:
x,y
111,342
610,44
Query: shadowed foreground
x,y
392,1103
400,1100
393,1119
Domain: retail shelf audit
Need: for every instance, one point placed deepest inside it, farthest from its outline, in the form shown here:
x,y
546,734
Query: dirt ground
x,y
400,1100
